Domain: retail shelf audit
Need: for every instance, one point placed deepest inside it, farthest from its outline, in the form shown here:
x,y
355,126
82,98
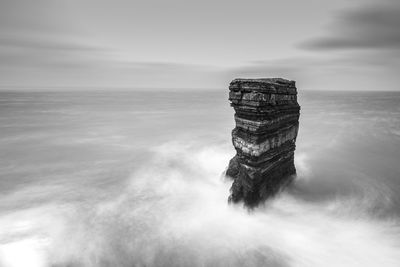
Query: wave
x,y
174,212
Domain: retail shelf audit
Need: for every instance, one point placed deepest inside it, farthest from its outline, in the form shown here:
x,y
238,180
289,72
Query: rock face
x,y
267,122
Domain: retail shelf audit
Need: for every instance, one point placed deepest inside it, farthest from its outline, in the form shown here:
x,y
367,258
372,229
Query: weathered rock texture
x,y
267,122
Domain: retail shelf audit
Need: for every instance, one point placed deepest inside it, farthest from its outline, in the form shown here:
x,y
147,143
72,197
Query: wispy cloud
x,y
150,44
45,44
65,62
362,71
374,26
44,52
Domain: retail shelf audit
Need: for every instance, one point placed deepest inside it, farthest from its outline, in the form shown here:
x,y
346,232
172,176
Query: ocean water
x,y
135,179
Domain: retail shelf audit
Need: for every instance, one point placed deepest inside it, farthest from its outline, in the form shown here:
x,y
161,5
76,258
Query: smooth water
x,y
134,179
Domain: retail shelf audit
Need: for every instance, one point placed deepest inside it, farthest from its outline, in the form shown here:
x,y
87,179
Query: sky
x,y
92,44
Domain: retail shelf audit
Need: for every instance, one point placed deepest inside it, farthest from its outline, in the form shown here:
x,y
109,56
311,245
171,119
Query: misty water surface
x,y
135,179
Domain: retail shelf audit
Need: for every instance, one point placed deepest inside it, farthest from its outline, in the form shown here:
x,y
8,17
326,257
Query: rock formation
x,y
267,122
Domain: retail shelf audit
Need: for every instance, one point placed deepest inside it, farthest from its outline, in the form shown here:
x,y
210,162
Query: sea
x,y
135,178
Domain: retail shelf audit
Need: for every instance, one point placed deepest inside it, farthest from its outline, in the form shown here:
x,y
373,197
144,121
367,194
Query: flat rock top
x,y
277,81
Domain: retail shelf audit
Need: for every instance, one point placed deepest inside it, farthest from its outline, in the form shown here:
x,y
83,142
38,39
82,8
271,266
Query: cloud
x,y
38,43
59,61
359,51
361,71
40,51
373,26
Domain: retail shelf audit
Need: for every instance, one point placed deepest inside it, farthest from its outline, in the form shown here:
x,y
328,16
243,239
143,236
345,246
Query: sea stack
x,y
267,122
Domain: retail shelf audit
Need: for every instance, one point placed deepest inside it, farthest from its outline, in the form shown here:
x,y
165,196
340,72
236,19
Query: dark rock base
x,y
263,186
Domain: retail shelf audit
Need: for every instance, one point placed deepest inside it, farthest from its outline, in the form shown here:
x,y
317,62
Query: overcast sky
x,y
323,45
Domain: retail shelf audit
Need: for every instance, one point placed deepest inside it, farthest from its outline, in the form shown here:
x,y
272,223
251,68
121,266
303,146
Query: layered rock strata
x,y
267,122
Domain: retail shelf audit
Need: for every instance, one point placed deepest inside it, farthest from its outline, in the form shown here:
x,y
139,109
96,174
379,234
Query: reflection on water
x,y
134,179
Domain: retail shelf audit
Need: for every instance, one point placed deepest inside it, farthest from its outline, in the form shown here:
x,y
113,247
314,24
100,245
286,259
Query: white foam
x,y
174,212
